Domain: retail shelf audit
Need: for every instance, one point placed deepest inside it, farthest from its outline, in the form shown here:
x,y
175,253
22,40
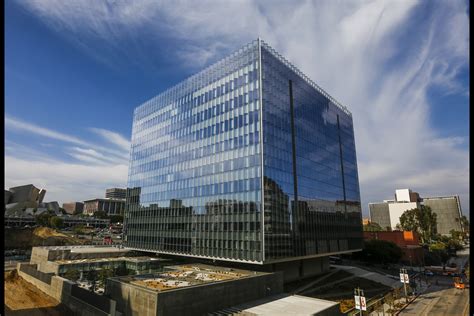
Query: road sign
x,y
357,301
404,278
363,305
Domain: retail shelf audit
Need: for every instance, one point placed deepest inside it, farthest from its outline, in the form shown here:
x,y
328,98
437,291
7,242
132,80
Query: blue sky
x,y
75,70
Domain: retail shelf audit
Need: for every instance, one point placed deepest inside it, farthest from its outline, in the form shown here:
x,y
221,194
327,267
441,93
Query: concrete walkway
x,y
309,285
373,276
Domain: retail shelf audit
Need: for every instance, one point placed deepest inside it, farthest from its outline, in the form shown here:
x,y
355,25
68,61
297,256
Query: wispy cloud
x,y
94,167
112,137
15,124
380,58
65,181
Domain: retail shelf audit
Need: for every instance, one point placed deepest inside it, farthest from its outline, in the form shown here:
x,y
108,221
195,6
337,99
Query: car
x,y
429,273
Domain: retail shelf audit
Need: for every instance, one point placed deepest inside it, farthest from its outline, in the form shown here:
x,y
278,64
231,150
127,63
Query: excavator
x,y
458,283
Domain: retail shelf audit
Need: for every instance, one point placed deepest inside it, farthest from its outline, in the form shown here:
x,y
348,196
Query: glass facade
x,y
199,161
311,186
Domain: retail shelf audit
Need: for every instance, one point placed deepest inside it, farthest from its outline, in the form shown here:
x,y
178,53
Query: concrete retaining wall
x,y
203,299
61,290
194,300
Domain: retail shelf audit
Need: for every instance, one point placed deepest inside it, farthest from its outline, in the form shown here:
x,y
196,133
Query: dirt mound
x,y
23,298
46,232
41,236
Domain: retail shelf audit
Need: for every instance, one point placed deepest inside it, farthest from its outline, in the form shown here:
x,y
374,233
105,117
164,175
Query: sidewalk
x,y
422,287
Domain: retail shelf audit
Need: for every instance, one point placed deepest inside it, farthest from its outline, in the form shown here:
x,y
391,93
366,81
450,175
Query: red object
x,y
107,240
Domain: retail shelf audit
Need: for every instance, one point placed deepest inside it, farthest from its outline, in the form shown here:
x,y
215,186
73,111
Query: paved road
x,y
441,298
442,302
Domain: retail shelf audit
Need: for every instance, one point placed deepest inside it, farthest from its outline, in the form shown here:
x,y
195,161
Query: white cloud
x,y
112,137
95,167
15,124
379,58
65,181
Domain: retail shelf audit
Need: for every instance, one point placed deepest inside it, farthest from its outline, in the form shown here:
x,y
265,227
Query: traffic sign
x,y
363,305
404,278
357,301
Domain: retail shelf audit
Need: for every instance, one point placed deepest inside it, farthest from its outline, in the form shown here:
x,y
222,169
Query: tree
x,y
72,274
440,250
92,277
379,251
43,219
56,222
104,274
78,229
372,227
116,218
465,223
100,215
422,220
121,271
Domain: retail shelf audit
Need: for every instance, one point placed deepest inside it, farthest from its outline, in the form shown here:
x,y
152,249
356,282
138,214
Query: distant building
x,y
110,206
408,241
26,193
448,212
8,196
17,199
115,193
387,213
73,207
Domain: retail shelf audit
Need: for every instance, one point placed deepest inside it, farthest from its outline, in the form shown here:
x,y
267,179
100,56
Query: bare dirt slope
x,y
23,298
41,236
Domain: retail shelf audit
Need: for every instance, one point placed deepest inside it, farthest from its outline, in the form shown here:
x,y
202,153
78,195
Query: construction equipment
x,y
458,283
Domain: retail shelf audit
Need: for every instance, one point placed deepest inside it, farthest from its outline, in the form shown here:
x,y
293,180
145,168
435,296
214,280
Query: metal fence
x,y
32,271
101,302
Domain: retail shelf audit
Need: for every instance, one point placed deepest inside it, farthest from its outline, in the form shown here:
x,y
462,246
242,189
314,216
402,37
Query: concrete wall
x,y
60,289
131,299
301,269
379,213
448,213
203,299
193,300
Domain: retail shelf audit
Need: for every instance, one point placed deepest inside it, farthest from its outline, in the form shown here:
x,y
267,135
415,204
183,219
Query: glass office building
x,y
246,161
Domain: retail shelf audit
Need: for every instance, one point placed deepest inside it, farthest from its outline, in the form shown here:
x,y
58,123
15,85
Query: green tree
x,y
372,227
104,274
78,229
121,271
440,249
379,251
116,218
43,219
422,220
56,222
92,277
72,274
100,215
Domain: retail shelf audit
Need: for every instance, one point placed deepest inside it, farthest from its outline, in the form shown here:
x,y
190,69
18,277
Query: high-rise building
x,y
447,209
246,161
115,193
